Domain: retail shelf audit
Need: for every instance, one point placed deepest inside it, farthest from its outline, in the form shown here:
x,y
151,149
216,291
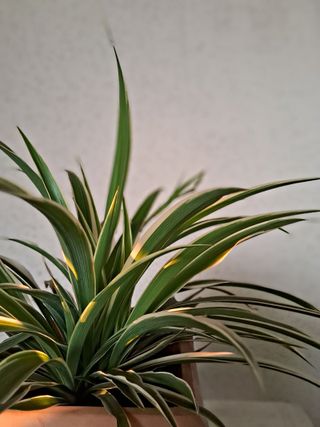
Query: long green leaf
x,y
121,159
147,352
55,261
181,401
20,272
102,299
84,207
105,239
63,372
133,380
126,246
48,304
200,225
5,274
180,190
47,177
168,224
117,181
73,236
111,404
37,402
15,369
8,324
244,194
227,314
18,395
91,200
178,359
153,322
13,307
265,364
70,313
171,381
31,174
230,299
37,294
192,261
125,389
217,284
13,341
142,212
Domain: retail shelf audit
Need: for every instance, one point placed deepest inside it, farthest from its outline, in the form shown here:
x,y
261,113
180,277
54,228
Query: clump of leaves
x,y
85,344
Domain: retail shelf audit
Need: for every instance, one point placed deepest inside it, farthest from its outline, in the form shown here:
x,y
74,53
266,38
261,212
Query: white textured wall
x,y
228,86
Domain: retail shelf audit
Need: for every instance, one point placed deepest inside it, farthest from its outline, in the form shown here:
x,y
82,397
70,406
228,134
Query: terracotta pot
x,y
81,416
86,416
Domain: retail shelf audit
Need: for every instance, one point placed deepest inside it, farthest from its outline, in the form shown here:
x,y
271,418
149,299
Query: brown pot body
x,y
81,416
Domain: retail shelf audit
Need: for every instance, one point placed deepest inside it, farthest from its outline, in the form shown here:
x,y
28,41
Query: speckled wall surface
x,y
231,87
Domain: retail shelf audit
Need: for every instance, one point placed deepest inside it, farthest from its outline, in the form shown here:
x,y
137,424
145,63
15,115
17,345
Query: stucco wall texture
x,y
230,87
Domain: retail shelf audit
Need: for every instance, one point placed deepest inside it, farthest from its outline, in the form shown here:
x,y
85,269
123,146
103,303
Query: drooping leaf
x,y
73,236
55,261
18,395
221,284
133,380
244,194
231,299
265,364
47,177
237,315
5,275
62,372
181,401
13,341
8,324
31,174
191,357
151,350
111,404
37,402
153,322
20,272
200,225
192,261
15,369
123,387
15,308
171,381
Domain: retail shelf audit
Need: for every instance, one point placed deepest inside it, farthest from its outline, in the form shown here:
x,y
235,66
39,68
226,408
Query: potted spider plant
x,y
77,349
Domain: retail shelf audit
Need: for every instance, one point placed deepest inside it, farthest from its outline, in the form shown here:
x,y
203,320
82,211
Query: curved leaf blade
x,y
15,369
37,402
31,174
122,154
72,235
47,177
111,404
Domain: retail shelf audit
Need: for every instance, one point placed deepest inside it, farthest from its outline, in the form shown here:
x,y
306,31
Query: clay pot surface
x,y
81,416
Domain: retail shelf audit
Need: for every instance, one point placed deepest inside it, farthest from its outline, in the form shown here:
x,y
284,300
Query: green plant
x,y
85,344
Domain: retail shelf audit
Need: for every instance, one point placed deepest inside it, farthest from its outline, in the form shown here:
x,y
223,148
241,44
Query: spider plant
x,y
80,341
